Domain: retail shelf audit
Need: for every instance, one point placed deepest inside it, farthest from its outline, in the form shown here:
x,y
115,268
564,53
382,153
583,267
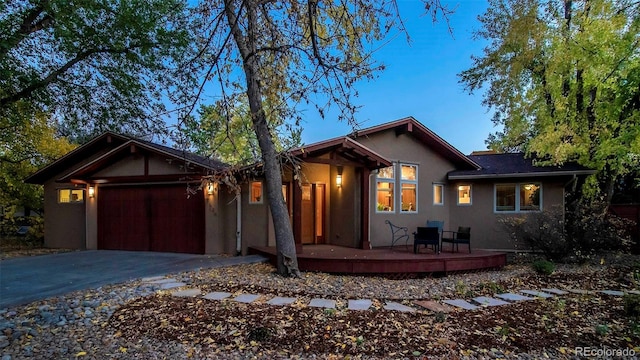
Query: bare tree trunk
x,y
285,244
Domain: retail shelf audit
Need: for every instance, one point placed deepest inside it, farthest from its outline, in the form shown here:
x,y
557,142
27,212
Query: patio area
x,y
397,262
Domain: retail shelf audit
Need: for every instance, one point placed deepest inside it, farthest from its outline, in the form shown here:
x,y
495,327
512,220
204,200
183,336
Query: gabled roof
x,y
345,147
426,136
114,145
514,165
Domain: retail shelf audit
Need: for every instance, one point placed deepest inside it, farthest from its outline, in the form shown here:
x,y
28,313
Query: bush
x,y
544,267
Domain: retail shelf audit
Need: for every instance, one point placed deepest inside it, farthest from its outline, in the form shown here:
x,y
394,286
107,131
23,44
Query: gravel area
x,y
117,322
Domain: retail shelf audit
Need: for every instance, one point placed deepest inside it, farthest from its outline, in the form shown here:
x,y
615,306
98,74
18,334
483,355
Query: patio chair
x,y
436,223
398,233
462,236
426,236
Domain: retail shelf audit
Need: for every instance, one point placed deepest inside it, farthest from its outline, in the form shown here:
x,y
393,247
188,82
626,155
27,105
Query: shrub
x,y
632,306
544,267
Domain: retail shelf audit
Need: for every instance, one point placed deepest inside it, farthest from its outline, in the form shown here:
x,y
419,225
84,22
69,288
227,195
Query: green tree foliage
x,y
226,133
292,53
564,80
23,149
93,65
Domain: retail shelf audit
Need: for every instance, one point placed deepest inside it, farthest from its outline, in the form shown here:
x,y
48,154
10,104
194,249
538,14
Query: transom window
x,y
255,192
385,191
409,186
518,197
70,196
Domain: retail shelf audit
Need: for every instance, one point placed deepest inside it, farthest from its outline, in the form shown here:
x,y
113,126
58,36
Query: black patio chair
x,y
398,233
462,236
427,236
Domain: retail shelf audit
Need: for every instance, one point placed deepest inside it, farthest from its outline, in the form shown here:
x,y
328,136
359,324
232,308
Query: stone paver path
x,y
443,306
489,301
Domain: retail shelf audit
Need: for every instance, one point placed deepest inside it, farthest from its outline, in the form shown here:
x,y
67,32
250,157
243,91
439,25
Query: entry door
x,y
313,218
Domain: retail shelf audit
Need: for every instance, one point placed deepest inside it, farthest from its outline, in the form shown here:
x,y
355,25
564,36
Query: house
x,y
117,192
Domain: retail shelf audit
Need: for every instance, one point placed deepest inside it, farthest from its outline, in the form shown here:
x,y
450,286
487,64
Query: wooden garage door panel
x,y
150,219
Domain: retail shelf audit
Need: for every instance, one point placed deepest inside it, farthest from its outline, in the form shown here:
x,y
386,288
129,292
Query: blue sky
x,y
421,80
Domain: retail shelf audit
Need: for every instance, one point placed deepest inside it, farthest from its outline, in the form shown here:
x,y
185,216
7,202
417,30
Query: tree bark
x,y
287,262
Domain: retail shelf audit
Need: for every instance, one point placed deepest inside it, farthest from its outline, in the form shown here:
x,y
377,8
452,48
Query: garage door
x,y
150,219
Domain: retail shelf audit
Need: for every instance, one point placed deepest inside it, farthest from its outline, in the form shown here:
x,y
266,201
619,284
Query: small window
x,y
438,194
69,196
517,197
409,187
256,192
385,190
464,195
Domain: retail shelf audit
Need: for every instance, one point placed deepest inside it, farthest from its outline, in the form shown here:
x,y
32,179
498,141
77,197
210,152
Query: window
x,y
255,195
517,197
438,194
464,195
69,196
409,186
385,190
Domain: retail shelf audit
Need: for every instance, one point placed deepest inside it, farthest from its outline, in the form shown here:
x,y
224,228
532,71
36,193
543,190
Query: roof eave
x,y
521,175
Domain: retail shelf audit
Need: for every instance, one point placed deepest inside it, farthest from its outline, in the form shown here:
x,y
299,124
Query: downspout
x,y
239,224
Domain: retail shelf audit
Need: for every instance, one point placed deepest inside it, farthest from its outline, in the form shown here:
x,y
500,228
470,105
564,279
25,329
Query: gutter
x,y
521,175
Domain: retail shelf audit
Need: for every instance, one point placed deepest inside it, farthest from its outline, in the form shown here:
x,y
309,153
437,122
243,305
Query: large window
x,y
409,186
464,195
518,197
438,194
70,196
385,190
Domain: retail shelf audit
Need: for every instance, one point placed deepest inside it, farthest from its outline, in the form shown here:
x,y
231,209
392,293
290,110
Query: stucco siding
x,y
132,165
64,223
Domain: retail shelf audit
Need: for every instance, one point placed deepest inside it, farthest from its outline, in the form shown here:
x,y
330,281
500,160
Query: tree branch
x,y
27,27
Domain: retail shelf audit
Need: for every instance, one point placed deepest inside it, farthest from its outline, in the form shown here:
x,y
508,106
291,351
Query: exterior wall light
x,y
92,192
339,177
210,188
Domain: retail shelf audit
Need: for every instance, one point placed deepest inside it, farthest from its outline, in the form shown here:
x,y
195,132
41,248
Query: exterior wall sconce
x,y
92,192
339,177
210,188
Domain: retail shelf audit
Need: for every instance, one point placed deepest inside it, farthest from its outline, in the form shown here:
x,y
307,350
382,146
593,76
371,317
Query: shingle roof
x,y
514,165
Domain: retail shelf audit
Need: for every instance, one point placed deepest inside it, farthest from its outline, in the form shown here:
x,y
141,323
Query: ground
x,y
132,320
12,247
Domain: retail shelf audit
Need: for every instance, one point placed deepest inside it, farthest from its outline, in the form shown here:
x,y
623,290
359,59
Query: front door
x,y
313,217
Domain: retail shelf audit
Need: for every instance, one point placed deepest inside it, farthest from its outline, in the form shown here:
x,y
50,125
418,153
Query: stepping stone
x,y
281,301
555,291
152,278
359,304
514,297
612,292
581,292
433,306
163,281
217,295
489,301
537,293
461,304
635,292
172,285
323,303
246,298
187,293
394,306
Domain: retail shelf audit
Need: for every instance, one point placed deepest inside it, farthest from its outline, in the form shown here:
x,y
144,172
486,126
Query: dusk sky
x,y
421,80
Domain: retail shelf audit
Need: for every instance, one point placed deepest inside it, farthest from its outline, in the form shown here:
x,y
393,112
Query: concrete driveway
x,y
27,279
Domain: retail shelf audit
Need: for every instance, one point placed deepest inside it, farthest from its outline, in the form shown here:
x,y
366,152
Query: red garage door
x,y
158,218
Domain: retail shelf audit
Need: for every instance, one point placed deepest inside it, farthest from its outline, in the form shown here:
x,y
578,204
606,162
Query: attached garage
x,y
151,218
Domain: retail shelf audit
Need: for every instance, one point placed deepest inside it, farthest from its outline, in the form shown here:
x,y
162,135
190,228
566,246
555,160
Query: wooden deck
x,y
382,261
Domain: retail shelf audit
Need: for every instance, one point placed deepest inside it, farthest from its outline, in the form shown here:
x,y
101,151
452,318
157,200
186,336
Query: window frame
x,y
391,181
414,182
470,195
516,186
71,190
441,187
251,197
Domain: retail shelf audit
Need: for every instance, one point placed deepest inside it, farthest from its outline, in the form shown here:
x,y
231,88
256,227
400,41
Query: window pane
x,y
408,172
256,192
529,197
386,173
385,196
438,195
505,198
409,197
464,194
